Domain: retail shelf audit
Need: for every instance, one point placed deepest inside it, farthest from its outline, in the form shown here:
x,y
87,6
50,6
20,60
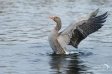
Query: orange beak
x,y
52,17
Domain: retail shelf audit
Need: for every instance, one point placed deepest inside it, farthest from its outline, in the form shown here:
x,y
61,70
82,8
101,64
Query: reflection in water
x,y
69,64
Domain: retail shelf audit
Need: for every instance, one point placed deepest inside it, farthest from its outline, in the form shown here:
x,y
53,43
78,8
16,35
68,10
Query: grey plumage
x,y
91,25
75,32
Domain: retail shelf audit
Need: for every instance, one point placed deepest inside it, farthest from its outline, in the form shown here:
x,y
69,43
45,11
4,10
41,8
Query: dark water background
x,y
24,29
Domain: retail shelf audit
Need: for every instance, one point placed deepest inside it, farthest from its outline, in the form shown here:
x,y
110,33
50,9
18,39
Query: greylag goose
x,y
78,30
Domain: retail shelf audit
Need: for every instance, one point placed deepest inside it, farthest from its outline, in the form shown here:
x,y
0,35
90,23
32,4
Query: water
x,y
24,29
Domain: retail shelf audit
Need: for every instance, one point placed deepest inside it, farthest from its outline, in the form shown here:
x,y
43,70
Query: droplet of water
x,y
105,66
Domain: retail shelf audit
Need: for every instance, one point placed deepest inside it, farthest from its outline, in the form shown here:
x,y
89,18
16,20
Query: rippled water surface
x,y
24,29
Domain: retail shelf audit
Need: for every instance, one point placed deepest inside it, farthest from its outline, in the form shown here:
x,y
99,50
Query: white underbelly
x,y
52,37
51,42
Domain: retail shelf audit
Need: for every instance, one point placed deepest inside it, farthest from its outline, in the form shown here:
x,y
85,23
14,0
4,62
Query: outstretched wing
x,y
92,24
81,28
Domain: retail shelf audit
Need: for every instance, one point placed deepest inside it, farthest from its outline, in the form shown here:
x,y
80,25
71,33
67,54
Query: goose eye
x,y
56,17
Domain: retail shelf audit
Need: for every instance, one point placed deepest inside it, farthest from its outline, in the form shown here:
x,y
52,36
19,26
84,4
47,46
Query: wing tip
x,y
101,18
94,13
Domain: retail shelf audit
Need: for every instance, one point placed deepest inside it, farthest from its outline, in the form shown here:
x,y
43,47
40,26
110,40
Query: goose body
x,y
78,30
